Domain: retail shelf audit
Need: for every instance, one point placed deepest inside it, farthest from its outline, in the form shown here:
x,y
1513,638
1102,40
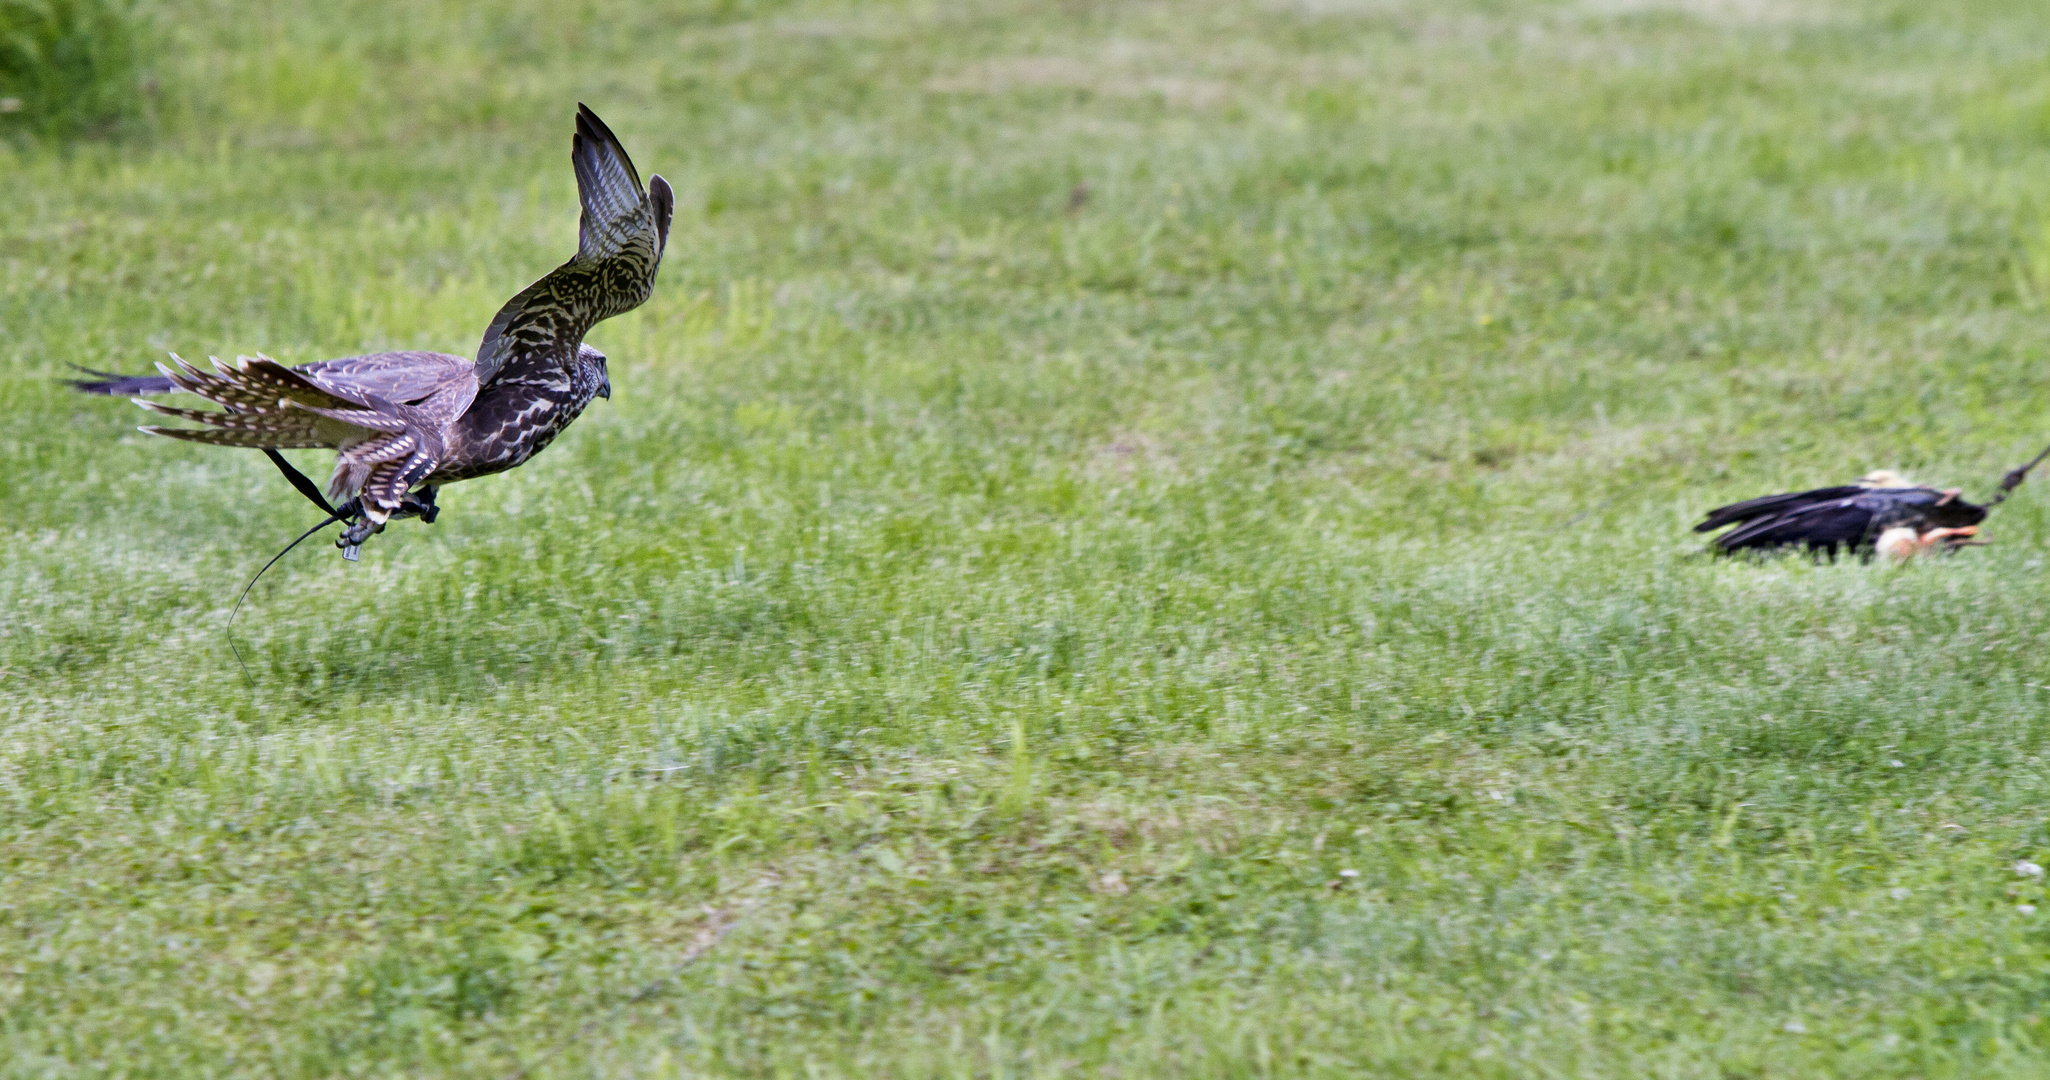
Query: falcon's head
x,y
593,363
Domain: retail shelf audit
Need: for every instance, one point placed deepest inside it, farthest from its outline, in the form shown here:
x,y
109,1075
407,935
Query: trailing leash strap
x,y
307,488
331,518
298,480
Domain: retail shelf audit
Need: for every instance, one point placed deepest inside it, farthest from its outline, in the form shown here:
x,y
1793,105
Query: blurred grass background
x,y
1091,476
76,69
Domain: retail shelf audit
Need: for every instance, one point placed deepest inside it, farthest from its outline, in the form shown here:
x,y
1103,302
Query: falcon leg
x,y
360,528
420,504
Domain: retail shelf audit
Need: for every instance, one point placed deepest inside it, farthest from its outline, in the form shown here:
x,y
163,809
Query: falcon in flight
x,y
1882,512
405,423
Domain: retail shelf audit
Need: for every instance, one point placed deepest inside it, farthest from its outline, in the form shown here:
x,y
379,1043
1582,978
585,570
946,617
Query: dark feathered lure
x,y
1883,513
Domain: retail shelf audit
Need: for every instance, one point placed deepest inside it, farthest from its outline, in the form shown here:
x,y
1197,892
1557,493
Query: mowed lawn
x,y
1133,539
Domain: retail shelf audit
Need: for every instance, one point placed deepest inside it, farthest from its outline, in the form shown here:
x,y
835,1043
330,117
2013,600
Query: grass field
x,y
1133,539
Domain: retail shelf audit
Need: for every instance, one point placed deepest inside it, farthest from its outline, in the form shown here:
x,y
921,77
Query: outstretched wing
x,y
115,384
1771,506
387,413
619,245
403,377
1824,523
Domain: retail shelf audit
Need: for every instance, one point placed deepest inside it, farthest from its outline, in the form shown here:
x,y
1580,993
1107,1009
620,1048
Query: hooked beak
x,y
605,388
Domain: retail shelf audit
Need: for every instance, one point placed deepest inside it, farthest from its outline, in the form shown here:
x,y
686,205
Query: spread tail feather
x,y
211,387
362,418
255,440
112,385
287,426
262,377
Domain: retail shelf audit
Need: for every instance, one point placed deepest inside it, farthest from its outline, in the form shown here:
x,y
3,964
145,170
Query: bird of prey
x,y
1881,512
405,423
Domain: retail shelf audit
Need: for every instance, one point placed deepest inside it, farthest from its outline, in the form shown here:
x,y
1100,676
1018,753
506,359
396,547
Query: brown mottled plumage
x,y
408,422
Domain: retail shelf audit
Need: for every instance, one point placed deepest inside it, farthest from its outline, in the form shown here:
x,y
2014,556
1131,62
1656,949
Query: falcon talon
x,y
404,423
358,531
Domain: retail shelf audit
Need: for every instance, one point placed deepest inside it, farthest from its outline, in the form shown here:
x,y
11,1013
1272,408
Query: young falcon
x,y
1853,517
405,423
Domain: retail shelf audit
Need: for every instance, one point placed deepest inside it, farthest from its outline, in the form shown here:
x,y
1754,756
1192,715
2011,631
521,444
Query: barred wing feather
x,y
620,239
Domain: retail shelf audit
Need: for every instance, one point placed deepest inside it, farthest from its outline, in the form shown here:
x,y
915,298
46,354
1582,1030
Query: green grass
x,y
986,624
74,68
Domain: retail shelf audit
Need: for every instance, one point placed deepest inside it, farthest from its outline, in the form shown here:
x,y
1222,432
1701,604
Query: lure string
x,y
298,480
305,487
331,519
2014,478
